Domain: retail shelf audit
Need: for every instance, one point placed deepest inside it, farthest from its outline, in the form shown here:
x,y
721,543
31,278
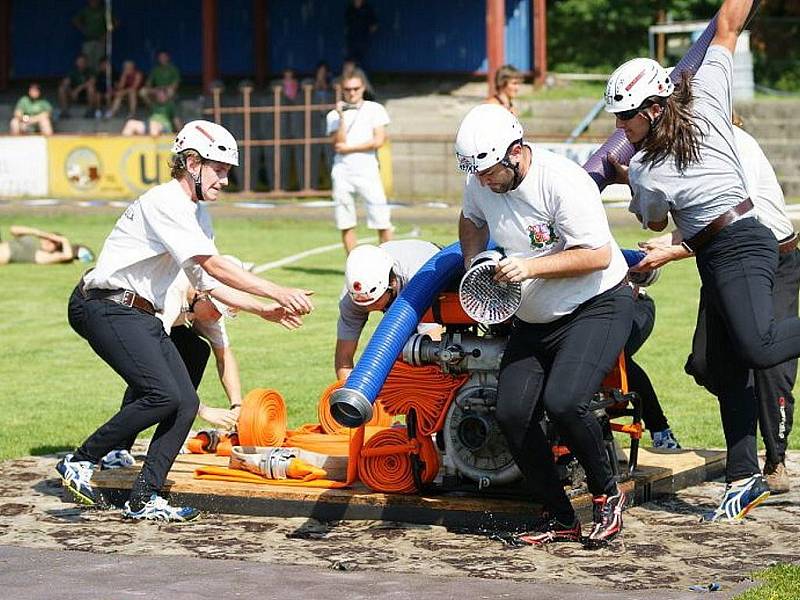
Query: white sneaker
x,y
665,440
117,459
158,509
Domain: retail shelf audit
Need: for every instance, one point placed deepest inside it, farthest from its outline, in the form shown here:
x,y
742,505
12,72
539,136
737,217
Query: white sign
x,y
23,166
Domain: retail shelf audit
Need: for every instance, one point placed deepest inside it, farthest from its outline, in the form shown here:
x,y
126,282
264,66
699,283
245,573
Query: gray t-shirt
x,y
706,188
409,257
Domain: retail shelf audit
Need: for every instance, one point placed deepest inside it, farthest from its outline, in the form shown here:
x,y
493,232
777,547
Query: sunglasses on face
x,y
627,115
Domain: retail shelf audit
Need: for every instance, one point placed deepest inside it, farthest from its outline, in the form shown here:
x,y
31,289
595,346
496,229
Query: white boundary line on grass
x,y
414,233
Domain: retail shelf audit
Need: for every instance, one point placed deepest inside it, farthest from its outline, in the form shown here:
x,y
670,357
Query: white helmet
x,y
484,136
210,140
366,273
634,82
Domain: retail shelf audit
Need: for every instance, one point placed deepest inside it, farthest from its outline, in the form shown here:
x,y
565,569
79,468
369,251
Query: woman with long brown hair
x,y
686,165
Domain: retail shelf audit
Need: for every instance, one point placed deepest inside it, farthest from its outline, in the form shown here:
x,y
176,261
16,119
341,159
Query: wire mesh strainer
x,y
484,299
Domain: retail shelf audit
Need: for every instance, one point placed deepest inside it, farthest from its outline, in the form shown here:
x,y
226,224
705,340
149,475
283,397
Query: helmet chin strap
x,y
198,183
514,167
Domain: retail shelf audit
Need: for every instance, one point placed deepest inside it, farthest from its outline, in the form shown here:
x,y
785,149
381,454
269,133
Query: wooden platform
x,y
658,474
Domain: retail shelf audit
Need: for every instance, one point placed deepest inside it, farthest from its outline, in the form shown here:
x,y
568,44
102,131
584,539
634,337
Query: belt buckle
x,y
128,298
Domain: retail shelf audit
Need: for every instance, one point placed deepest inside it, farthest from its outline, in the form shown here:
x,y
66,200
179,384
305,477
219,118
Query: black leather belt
x,y
124,297
702,237
788,244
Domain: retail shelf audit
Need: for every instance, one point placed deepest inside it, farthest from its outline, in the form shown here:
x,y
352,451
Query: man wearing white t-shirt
x,y
114,308
358,128
574,319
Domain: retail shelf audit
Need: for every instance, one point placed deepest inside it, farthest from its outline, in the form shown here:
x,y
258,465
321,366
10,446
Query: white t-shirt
x,y
556,207
156,237
762,185
360,124
174,314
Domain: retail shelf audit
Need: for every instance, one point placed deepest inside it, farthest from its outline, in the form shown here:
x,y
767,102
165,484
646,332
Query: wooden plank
x,y
659,473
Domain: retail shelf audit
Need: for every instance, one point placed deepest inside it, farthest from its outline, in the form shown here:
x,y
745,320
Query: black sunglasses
x,y
627,115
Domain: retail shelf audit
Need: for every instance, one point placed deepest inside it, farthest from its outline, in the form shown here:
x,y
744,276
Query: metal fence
x,y
285,149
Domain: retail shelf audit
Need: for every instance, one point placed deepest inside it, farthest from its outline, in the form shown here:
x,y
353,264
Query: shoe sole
x,y
532,541
165,521
79,497
743,513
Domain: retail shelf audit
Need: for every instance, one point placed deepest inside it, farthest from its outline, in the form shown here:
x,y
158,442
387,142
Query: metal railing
x,y
277,141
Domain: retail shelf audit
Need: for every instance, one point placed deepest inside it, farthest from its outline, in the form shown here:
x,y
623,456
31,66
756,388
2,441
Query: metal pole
x,y
246,91
109,30
277,128
306,137
495,38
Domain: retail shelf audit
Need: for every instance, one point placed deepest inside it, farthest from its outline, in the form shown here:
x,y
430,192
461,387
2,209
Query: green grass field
x,y
55,391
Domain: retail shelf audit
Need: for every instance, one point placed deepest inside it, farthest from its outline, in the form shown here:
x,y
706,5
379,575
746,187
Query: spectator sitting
x,y
32,112
165,77
290,86
91,22
102,88
127,86
507,80
162,120
38,247
80,81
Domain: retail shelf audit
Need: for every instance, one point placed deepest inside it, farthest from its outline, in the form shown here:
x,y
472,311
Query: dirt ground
x,y
663,544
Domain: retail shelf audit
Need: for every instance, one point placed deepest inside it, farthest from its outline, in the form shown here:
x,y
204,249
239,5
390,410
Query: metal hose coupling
x,y
350,408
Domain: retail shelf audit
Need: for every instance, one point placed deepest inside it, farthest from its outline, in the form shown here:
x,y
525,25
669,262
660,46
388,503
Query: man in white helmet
x,y
545,212
374,276
114,308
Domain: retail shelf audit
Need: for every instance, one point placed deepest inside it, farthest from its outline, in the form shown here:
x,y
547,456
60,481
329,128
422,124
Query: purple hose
x,y
617,145
351,405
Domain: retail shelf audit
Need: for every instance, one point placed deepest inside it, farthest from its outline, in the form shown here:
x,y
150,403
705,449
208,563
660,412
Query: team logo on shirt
x,y
542,234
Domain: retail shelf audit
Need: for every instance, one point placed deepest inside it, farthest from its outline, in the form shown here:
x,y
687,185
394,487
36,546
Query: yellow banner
x,y
106,167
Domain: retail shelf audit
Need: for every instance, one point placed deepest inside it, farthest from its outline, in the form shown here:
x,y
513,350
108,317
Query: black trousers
x,y
558,367
135,345
773,386
194,352
644,318
737,269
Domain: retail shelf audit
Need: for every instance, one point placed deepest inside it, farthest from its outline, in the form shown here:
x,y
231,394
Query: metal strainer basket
x,y
484,299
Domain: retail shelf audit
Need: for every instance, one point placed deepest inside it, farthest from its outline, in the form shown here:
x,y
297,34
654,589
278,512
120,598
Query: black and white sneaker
x,y
158,509
76,476
607,517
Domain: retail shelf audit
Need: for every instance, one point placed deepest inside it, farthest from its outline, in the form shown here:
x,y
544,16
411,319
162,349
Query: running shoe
x,y
777,477
76,476
158,509
740,499
607,517
117,459
665,440
552,529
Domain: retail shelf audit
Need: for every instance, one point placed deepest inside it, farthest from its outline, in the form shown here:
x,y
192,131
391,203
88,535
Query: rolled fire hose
x,y
386,461
262,419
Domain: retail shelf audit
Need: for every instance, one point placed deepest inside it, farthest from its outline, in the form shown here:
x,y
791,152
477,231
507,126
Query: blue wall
x,y
414,35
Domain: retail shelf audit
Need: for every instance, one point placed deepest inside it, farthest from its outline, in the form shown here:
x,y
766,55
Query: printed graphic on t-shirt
x,y
542,234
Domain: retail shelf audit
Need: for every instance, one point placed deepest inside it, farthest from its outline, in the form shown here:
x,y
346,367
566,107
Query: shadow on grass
x,y
50,449
316,271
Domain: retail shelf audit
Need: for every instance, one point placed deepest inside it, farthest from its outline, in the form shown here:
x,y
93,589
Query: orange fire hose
x,y
202,443
425,389
380,418
262,419
385,463
237,475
